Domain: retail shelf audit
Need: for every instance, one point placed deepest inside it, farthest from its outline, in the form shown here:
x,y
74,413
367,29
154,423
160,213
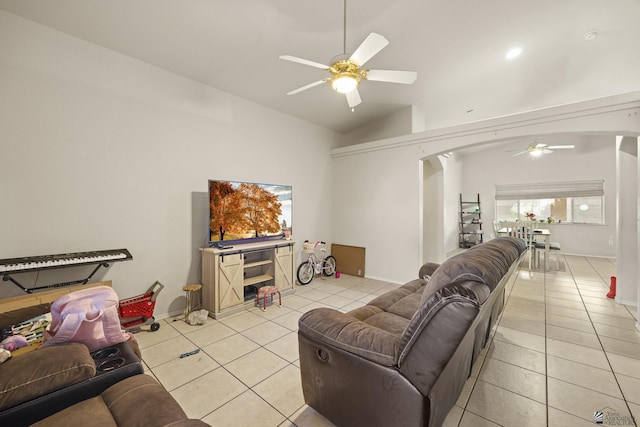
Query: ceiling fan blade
x,y
545,151
309,86
304,62
522,152
373,44
391,76
353,98
561,146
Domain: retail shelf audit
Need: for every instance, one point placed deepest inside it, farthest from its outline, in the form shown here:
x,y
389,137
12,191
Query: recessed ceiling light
x,y
513,53
590,35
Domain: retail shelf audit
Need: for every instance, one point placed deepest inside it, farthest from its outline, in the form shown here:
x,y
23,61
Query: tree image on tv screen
x,y
243,211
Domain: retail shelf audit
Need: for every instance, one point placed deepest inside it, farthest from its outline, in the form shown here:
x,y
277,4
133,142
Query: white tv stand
x,y
231,276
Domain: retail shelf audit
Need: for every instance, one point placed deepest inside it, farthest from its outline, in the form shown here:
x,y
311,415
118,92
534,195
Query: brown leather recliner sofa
x,y
67,385
403,359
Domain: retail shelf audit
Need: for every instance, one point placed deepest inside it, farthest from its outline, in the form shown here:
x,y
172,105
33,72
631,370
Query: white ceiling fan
x,y
347,72
538,149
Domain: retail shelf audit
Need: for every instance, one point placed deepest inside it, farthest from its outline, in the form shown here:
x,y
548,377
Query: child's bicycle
x,y
314,264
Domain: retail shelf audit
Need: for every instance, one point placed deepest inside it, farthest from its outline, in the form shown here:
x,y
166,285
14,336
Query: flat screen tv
x,y
241,212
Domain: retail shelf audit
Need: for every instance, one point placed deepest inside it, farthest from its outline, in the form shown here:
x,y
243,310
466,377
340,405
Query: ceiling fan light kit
x,y
346,76
344,83
346,72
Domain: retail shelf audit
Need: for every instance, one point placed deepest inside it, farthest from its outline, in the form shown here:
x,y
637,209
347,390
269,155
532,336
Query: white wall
x,y
431,204
101,151
593,158
376,205
405,121
398,123
451,209
377,187
627,221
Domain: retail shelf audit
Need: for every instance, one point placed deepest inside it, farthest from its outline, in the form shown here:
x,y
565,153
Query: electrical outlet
x,y
610,240
359,272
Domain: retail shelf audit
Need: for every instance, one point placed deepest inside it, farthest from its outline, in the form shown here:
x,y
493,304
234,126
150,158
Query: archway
x,y
432,210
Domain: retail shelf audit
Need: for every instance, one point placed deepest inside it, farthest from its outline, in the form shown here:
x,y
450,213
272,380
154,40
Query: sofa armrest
x,y
427,269
336,329
135,401
42,371
8,318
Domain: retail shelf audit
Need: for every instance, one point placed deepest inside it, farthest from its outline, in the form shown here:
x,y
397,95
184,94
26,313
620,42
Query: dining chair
x,y
554,248
497,225
508,227
524,230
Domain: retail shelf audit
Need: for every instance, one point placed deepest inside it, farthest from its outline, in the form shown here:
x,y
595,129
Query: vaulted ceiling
x,y
458,48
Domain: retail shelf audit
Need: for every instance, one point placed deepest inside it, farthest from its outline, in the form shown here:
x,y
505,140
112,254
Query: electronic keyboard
x,y
9,266
43,262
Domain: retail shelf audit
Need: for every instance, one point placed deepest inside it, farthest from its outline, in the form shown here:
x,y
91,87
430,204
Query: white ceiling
x,y
457,47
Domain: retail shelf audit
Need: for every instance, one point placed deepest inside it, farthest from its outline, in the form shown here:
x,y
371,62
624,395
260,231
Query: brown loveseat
x,y
66,385
403,359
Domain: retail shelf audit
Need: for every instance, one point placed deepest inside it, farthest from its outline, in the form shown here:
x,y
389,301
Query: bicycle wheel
x,y
329,266
305,273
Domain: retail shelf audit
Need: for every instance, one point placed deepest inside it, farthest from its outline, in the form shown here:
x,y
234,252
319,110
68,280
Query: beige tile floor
x,y
560,352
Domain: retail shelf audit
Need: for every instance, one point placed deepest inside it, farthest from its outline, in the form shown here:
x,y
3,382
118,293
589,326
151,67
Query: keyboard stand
x,y
8,278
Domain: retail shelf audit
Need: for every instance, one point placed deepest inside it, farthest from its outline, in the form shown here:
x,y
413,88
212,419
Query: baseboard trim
x,y
625,302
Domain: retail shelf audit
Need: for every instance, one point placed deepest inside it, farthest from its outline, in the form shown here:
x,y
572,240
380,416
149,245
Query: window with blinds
x,y
570,201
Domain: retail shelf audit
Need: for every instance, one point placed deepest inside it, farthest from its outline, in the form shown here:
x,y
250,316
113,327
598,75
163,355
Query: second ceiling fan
x,y
347,72
538,149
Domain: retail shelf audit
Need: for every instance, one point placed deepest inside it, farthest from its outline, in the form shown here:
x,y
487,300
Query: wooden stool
x,y
266,291
193,298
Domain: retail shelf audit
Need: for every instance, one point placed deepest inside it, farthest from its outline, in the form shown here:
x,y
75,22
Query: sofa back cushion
x,y
485,263
436,330
391,298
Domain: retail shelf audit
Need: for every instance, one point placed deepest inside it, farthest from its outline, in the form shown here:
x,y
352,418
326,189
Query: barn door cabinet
x,y
231,277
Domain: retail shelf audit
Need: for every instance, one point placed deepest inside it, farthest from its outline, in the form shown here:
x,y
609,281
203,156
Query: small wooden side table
x,y
194,302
